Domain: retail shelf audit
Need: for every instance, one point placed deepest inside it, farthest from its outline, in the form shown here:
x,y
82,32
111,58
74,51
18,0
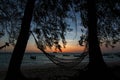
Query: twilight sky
x,y
71,47
72,42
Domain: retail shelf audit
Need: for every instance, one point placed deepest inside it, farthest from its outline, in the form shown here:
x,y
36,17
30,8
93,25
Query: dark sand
x,y
51,71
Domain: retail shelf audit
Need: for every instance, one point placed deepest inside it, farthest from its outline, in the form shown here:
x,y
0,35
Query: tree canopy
x,y
50,20
11,13
107,20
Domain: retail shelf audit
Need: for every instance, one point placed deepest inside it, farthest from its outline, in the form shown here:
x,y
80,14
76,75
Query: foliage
x,y
107,20
11,13
51,22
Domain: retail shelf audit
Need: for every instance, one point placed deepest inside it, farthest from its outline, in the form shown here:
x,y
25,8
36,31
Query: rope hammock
x,y
6,44
62,62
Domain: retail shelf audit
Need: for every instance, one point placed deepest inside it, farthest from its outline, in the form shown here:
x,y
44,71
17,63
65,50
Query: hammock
x,y
62,62
6,44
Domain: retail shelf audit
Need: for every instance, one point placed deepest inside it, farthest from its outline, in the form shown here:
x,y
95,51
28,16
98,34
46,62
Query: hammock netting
x,y
63,62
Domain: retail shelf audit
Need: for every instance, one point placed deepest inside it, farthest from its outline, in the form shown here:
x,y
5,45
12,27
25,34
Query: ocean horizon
x,y
34,59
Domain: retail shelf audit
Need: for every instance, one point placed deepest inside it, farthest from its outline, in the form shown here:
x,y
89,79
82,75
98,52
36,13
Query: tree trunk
x,y
95,55
96,67
18,52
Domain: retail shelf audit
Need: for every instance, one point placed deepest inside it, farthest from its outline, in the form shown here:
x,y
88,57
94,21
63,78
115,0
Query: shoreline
x,y
50,70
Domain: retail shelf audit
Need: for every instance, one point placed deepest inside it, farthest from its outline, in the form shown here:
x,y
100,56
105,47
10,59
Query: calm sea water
x,y
41,59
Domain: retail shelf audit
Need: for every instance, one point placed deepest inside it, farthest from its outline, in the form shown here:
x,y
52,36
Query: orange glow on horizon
x,y
71,47
68,49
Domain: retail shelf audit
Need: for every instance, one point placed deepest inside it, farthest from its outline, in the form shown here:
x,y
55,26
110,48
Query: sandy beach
x,y
48,71
51,71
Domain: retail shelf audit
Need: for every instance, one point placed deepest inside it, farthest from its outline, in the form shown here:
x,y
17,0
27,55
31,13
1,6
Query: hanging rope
x,y
66,63
6,44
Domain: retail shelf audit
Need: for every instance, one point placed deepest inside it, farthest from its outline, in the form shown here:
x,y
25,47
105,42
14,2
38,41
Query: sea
x,y
32,59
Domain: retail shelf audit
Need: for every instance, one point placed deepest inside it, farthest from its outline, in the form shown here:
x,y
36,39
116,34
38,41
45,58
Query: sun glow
x,y
71,47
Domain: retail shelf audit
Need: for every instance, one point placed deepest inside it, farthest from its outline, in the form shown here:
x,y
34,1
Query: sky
x,y
72,44
71,47
72,39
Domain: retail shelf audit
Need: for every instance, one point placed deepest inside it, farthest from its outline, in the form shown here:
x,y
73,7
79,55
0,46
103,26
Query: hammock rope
x,y
4,46
62,62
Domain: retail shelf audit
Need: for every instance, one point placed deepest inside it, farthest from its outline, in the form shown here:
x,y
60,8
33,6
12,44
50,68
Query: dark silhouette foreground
x,y
57,73
14,72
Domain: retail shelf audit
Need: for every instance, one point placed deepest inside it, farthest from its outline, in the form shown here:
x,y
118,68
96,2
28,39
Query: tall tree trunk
x,y
95,55
18,52
97,68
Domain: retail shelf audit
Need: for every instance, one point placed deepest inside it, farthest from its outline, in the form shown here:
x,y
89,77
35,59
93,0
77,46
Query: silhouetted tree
x,y
89,20
11,13
95,54
107,20
17,56
93,22
50,20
